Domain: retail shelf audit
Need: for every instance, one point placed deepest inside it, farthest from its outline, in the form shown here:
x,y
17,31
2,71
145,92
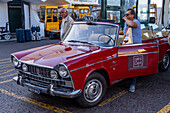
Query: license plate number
x,y
34,90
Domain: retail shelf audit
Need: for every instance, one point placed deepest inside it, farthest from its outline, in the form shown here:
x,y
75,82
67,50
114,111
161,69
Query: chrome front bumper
x,y
49,90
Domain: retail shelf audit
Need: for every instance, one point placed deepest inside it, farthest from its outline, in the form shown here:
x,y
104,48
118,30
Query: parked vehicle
x,y
81,11
4,32
89,59
50,17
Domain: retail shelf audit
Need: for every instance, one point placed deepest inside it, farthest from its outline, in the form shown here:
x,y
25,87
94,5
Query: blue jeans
x,y
133,81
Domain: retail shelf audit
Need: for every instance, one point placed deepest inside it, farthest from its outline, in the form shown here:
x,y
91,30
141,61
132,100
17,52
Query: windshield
x,y
94,34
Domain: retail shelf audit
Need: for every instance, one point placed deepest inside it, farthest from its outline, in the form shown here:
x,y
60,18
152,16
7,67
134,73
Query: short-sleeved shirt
x,y
136,32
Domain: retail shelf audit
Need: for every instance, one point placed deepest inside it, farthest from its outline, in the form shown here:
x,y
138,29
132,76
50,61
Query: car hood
x,y
56,53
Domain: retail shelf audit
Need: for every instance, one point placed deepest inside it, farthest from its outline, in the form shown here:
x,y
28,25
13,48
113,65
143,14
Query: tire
x,y
7,37
33,36
163,66
94,90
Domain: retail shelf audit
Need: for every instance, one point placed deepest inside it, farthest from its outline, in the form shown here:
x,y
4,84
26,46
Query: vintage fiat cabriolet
x,y
89,59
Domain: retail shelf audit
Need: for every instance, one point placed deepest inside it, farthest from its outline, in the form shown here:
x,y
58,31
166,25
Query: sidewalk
x,y
15,39
3,40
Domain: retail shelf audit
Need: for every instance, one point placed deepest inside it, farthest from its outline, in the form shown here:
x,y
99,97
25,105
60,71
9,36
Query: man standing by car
x,y
66,22
131,21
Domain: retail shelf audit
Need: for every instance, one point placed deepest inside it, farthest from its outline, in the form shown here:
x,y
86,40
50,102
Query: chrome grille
x,y
40,76
45,82
39,71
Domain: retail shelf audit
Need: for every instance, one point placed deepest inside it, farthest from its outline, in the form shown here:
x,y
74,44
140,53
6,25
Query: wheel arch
x,y
168,52
103,72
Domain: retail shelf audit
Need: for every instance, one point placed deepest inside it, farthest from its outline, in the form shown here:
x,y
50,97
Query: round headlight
x,y
15,61
24,67
53,74
63,72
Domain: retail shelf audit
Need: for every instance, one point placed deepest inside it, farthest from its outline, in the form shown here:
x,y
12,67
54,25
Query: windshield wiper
x,y
81,42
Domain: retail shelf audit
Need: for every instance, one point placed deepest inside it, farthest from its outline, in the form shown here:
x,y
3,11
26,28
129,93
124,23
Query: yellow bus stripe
x,y
6,81
166,109
116,96
5,59
7,71
35,102
8,75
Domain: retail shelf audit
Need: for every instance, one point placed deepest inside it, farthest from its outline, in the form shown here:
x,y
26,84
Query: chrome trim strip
x,y
117,81
106,23
137,54
136,44
93,63
19,62
14,56
50,91
163,43
36,64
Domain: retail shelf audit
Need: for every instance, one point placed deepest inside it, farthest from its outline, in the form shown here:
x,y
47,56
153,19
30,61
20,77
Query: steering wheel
x,y
110,38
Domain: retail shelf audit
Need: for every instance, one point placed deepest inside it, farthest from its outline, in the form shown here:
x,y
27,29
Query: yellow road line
x,y
5,59
35,102
8,75
116,96
7,71
6,81
8,65
2,70
166,109
5,62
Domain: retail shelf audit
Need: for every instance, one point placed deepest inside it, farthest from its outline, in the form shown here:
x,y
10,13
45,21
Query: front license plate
x,y
34,90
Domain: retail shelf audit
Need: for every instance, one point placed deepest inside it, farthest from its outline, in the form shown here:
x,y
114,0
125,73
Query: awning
x,y
48,2
5,0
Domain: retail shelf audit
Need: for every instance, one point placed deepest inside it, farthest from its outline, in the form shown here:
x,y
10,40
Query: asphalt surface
x,y
152,92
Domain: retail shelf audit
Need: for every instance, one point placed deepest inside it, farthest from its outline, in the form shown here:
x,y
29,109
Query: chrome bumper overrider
x,y
49,90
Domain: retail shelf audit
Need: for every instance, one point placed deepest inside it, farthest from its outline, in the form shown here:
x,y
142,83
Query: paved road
x,y
152,93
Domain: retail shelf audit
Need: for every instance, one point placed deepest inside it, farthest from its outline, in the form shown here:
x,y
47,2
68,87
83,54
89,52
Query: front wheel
x,y
94,90
7,37
163,66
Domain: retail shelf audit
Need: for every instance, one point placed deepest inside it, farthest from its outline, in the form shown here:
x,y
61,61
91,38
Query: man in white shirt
x,y
66,22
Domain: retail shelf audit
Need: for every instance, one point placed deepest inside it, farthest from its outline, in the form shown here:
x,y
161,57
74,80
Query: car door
x,y
137,59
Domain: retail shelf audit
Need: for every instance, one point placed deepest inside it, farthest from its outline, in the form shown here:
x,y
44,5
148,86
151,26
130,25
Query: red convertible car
x,y
89,59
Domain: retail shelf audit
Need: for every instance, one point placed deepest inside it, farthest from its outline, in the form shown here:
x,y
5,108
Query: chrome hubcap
x,y
93,90
166,61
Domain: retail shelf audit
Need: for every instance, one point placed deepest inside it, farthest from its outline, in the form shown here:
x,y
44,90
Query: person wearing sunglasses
x,y
131,21
66,22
